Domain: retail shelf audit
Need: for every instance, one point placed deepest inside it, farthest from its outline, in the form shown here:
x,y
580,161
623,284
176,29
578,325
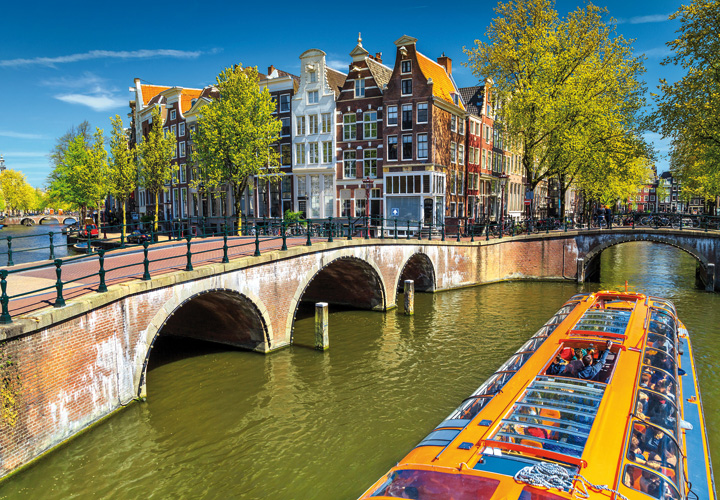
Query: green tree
x,y
235,134
688,111
556,83
15,191
155,153
122,171
80,179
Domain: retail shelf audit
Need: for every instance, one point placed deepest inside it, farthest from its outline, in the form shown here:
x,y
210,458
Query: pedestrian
x,y
608,217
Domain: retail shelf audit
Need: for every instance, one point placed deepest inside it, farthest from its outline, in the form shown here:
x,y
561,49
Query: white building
x,y
314,148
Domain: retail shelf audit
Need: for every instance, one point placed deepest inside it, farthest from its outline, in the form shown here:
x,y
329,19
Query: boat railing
x,y
534,451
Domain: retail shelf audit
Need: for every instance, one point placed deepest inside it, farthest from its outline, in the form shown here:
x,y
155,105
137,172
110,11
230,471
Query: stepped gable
x,y
335,80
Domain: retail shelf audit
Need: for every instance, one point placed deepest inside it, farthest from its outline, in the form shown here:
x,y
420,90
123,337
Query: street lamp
x,y
503,183
368,184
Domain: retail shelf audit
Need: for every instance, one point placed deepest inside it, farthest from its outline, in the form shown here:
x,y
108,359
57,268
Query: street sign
x,y
395,212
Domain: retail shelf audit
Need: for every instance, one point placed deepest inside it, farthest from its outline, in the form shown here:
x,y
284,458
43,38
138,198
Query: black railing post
x,y
330,224
487,232
10,262
382,227
395,228
146,261
308,242
225,259
443,231
202,227
257,241
472,233
349,233
102,287
430,230
407,235
283,227
419,230
188,266
4,299
459,224
52,246
367,227
265,225
59,300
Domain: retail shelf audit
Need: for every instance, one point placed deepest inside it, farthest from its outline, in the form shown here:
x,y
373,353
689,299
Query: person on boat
x,y
591,370
635,452
645,380
558,366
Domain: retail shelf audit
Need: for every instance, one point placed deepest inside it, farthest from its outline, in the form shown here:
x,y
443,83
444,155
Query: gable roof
x,y
443,85
474,98
380,72
151,91
187,97
335,79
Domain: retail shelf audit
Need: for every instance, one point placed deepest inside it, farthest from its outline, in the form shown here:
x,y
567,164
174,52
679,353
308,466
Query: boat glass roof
x,y
604,320
555,413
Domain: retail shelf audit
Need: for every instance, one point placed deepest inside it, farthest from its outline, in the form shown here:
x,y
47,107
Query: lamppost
x,y
503,182
368,184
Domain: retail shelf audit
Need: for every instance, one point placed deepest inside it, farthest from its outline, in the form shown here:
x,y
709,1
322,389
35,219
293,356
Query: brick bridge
x,y
79,363
33,220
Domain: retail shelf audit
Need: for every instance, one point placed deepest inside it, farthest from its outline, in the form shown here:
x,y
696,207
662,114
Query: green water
x,y
300,424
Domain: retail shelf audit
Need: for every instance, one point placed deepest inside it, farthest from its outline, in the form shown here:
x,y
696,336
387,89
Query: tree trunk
x,y
238,209
157,207
124,220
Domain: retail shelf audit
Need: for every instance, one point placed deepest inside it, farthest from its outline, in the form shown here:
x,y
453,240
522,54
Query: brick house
x,y
360,135
424,138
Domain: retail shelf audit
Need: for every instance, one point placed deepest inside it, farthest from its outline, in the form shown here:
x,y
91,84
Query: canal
x,y
300,424
31,244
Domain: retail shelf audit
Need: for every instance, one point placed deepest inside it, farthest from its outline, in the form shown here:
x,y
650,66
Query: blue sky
x,y
65,62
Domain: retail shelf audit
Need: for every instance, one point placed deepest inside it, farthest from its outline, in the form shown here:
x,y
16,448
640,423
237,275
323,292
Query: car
x,y
138,237
89,231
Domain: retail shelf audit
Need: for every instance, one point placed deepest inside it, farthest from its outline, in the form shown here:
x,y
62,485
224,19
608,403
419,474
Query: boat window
x,y
529,493
660,342
579,296
567,308
648,482
659,359
666,331
435,485
654,448
532,344
555,414
557,319
659,381
662,316
469,408
441,437
604,320
543,332
664,303
514,363
494,383
658,409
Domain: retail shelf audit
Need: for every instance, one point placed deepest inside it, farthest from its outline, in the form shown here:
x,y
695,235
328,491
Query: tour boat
x,y
626,424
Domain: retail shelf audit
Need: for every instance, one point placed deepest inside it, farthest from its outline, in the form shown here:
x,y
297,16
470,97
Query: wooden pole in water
x,y
409,291
322,342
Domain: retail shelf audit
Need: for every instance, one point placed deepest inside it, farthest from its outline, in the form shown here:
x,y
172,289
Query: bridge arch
x,y
592,256
69,220
49,219
225,316
345,280
419,268
27,221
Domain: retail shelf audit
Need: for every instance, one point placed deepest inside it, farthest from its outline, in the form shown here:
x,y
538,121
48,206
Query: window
x,y
165,131
461,126
312,124
175,150
313,97
313,77
360,87
349,165
300,125
453,123
406,66
183,202
173,114
392,115
349,130
370,129
300,154
182,149
183,173
360,207
406,87
407,147
173,130
285,127
345,210
327,152
181,129
286,154
407,116
314,152
453,152
284,103
325,123
422,146
461,154
422,112
370,163
392,147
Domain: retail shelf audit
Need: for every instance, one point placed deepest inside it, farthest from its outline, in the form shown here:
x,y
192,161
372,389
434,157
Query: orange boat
x,y
602,402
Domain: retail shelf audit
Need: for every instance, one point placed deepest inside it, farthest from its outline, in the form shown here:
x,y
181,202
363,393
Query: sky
x,y
65,62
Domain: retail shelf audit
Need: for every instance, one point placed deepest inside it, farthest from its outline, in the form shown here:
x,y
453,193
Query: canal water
x,y
30,244
300,424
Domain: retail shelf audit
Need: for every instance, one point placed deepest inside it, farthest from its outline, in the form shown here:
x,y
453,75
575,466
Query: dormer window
x,y
455,99
313,77
360,87
313,97
406,87
173,114
192,102
406,66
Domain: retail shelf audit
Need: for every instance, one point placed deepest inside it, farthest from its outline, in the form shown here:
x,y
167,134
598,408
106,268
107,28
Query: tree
x,y
17,194
156,152
80,178
235,134
556,82
122,171
688,111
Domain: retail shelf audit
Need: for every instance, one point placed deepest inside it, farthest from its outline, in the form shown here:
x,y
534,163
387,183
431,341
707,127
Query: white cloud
x,y
19,135
653,18
87,79
338,64
102,54
657,52
100,102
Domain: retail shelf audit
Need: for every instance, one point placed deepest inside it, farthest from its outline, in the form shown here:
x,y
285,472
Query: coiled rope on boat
x,y
548,475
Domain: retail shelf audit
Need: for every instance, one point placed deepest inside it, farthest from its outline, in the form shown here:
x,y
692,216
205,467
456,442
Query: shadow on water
x,y
169,349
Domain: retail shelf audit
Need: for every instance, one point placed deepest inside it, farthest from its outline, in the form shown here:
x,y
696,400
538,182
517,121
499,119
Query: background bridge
x,y
33,220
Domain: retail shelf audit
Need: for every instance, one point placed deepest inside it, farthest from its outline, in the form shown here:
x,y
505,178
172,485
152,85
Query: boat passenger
x,y
589,370
558,366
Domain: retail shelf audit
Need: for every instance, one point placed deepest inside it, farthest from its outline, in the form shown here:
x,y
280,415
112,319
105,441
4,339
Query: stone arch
x,y
185,302
593,254
27,221
419,268
69,220
368,292
49,219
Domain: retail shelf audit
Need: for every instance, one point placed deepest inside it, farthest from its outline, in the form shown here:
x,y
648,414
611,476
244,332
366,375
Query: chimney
x,y
271,68
378,57
446,62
